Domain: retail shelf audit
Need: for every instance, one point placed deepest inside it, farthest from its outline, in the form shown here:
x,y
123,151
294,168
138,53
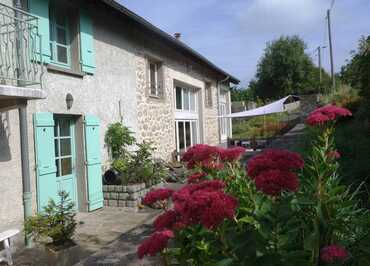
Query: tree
x,y
241,94
285,69
357,72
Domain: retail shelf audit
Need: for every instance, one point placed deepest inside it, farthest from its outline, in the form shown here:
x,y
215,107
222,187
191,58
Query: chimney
x,y
177,35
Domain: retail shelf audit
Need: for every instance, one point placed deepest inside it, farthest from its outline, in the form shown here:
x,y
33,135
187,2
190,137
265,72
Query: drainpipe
x,y
23,129
218,106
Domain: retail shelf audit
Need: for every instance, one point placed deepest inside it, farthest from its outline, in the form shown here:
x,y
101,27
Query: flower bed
x,y
128,196
280,210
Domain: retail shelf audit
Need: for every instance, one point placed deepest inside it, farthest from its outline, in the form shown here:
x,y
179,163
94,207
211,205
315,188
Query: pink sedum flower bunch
x,y
203,203
333,253
325,114
155,243
273,171
210,157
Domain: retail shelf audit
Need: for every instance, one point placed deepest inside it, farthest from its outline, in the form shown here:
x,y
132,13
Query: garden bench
x,y
5,239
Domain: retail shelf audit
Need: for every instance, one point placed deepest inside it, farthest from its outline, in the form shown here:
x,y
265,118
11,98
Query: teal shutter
x,y
93,163
87,43
47,186
40,8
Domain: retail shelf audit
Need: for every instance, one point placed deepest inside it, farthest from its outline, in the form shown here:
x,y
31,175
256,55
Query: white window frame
x,y
191,93
156,78
193,139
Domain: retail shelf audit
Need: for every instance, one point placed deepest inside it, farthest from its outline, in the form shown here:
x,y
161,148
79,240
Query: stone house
x,y
70,68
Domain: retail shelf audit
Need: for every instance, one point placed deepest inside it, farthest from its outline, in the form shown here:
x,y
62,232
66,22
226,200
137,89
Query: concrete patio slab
x,y
95,233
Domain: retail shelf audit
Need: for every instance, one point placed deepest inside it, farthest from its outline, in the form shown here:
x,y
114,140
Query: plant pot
x,y
63,255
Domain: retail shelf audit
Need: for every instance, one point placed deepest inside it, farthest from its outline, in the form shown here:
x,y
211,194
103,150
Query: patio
x,y
97,231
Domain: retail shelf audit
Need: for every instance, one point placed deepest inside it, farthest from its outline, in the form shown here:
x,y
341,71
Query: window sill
x,y
53,68
155,97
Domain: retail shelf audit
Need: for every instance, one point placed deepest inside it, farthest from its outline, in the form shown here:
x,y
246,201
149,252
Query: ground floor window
x,y
186,134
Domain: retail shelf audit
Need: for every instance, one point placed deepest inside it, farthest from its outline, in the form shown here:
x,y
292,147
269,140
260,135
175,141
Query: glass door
x,y
186,134
65,156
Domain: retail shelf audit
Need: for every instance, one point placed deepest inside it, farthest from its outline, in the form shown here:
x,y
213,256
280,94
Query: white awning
x,y
275,107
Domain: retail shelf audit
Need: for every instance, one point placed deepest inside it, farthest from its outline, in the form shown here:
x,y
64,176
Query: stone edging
x,y
129,196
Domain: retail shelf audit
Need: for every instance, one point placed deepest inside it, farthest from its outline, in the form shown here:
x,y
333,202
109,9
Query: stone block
x,y
113,203
134,196
114,195
121,203
131,203
132,188
105,188
106,195
123,196
117,188
106,203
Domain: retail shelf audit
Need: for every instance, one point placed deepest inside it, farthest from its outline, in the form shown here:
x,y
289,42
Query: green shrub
x,y
118,137
56,222
344,96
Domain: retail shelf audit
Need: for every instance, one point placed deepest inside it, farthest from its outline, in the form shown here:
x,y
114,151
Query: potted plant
x,y
55,227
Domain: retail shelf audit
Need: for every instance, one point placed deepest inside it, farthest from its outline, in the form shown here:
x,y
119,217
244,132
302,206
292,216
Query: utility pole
x,y
320,71
331,51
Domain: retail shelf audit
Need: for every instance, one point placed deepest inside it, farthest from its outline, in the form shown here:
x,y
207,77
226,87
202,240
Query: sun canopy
x,y
285,104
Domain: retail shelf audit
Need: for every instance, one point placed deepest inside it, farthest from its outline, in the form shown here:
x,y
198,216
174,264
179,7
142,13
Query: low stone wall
x,y
129,196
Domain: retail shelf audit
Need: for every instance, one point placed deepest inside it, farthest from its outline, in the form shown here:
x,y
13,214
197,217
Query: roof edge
x,y
169,38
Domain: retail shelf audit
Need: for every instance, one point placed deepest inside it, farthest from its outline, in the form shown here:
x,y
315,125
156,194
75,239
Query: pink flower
x,y
165,220
273,171
157,242
327,113
273,182
231,154
204,203
199,154
157,195
195,178
274,159
333,155
333,253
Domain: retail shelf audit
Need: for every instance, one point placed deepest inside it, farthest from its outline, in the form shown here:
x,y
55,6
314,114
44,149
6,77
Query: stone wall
x,y
129,196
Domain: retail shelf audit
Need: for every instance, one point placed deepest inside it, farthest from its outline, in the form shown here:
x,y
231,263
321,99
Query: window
x,y
63,147
186,99
208,94
60,45
155,79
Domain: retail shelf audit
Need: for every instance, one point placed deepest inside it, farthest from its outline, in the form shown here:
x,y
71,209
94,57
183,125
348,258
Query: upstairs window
x,y
186,99
60,45
155,74
208,95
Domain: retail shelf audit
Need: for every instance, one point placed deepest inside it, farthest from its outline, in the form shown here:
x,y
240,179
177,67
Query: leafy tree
x,y
241,94
356,72
285,69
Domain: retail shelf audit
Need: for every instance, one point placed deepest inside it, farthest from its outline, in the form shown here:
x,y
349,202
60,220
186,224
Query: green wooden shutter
x,y
40,8
93,163
47,185
87,43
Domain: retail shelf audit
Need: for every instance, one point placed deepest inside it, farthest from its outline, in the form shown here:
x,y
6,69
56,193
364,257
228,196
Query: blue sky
x,y
233,33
